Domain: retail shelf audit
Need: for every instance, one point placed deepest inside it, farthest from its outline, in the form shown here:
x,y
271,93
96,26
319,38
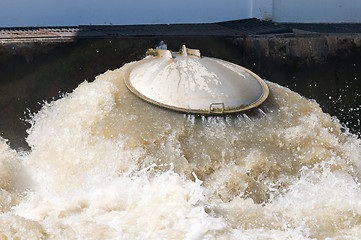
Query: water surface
x,y
104,164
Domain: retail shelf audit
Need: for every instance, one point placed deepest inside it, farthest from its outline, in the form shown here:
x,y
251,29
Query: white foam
x,y
107,165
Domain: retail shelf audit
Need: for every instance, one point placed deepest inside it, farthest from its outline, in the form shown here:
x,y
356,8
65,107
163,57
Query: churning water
x,y
106,165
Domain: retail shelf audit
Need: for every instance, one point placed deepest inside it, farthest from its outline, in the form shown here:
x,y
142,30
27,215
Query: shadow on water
x,y
34,72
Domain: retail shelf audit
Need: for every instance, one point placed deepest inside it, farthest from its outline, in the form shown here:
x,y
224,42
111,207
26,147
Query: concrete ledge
x,y
245,27
299,49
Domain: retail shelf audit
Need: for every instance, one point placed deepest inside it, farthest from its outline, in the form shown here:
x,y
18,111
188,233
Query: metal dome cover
x,y
187,82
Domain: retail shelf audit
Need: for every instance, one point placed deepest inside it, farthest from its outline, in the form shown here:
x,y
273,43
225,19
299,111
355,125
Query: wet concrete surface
x,y
324,67
229,29
237,28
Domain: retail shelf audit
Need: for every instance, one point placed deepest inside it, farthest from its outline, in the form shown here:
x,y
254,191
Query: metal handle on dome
x,y
188,51
168,53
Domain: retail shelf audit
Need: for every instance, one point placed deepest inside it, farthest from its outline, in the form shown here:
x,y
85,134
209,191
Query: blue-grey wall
x,y
24,13
119,12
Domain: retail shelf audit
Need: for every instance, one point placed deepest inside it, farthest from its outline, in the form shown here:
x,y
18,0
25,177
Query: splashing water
x,y
106,165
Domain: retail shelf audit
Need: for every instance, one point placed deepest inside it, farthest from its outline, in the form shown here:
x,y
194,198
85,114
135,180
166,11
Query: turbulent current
x,y
104,164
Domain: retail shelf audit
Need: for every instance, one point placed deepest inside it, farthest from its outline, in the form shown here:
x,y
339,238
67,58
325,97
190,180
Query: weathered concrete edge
x,y
308,49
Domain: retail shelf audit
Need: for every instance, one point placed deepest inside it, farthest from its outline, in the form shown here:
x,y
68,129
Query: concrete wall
x,y
262,9
316,11
22,13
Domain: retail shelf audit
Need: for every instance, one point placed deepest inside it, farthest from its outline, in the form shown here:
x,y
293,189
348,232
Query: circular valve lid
x,y
187,82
